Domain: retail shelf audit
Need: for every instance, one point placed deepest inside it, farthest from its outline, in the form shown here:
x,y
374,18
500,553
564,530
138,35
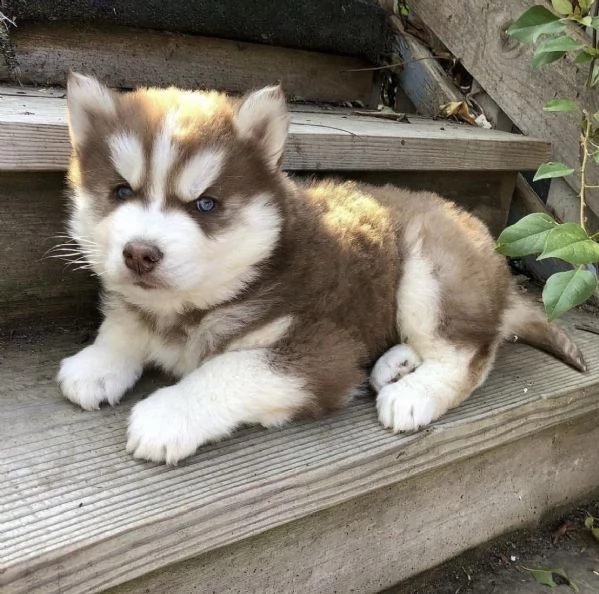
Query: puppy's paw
x,y
396,363
402,407
96,375
163,428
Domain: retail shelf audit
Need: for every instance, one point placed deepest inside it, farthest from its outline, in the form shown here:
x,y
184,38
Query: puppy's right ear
x,y
86,99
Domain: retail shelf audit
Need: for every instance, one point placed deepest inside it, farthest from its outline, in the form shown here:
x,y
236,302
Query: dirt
x,y
500,567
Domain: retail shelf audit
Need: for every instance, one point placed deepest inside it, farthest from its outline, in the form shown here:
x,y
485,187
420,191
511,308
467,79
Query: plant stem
x,y
585,154
592,64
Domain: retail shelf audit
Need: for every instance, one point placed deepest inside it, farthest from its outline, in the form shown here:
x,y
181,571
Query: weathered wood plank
x,y
378,540
422,78
80,515
35,129
353,27
476,35
128,58
33,284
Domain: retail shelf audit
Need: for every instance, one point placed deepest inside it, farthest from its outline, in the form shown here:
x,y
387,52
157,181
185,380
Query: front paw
x,y
96,375
403,407
163,428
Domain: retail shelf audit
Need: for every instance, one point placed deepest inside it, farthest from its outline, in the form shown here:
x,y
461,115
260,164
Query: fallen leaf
x,y
589,523
460,110
551,577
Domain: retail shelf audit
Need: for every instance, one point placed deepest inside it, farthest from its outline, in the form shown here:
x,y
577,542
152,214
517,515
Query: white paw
x,y
163,428
402,407
95,375
396,363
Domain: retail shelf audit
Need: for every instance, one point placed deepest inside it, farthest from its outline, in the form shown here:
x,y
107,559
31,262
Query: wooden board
x,y
80,515
35,128
376,541
32,284
352,27
128,58
422,78
476,35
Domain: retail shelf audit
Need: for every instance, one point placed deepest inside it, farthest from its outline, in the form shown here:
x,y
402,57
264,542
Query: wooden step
x,y
33,129
338,504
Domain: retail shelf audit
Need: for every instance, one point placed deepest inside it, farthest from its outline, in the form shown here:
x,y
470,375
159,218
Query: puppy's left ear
x,y
87,99
263,116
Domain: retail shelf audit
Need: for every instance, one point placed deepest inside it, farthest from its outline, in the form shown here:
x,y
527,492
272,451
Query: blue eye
x,y
123,192
205,204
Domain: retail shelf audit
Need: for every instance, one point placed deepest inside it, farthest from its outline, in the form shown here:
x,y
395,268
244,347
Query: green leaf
x,y
565,290
570,243
594,23
560,44
527,236
594,76
545,58
585,5
552,169
561,105
536,21
586,21
596,157
562,6
588,522
583,57
546,577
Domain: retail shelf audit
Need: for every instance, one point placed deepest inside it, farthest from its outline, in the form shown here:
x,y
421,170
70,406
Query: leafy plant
x,y
539,233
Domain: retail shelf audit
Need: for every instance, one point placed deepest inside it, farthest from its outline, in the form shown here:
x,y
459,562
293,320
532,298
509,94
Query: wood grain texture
x,y
475,34
127,58
422,78
80,515
375,541
32,283
35,129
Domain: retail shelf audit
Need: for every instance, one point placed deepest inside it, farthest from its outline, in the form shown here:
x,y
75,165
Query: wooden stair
x,y
337,504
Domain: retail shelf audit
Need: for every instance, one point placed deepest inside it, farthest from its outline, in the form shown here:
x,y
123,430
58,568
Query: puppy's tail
x,y
525,322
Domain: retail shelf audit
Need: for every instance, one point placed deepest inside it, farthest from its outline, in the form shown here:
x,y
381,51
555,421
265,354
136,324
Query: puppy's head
x,y
175,193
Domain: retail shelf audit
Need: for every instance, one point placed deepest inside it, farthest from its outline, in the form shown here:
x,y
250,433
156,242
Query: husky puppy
x,y
269,299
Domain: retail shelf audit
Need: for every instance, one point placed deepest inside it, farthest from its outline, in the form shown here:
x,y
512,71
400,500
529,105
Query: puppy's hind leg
x,y
451,369
440,383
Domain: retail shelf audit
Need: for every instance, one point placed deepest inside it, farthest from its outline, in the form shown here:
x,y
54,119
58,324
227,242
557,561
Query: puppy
x,y
269,299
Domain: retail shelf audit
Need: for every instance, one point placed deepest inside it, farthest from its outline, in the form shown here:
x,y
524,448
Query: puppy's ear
x,y
86,100
263,116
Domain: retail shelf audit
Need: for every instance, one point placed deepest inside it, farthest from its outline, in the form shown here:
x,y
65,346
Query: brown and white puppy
x,y
268,299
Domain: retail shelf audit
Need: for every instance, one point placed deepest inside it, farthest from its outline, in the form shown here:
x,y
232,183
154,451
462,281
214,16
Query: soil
x,y
500,567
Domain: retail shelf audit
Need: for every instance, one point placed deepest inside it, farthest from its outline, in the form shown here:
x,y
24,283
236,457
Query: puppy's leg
x,y
396,363
452,365
105,370
440,383
232,389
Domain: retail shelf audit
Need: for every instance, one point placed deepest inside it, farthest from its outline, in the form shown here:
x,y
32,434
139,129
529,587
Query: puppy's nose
x,y
141,256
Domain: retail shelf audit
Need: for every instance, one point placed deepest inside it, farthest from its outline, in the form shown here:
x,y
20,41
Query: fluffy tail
x,y
525,322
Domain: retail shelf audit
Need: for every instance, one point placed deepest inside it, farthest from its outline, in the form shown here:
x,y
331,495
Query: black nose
x,y
141,256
